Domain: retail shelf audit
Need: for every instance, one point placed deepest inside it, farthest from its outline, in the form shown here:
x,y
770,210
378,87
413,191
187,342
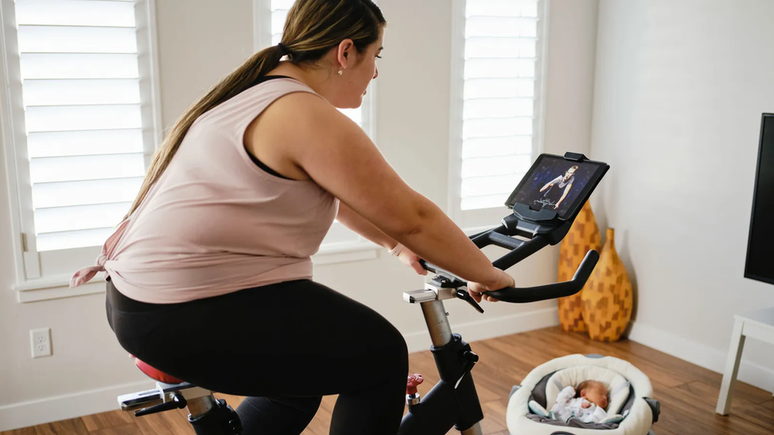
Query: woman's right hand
x,y
502,279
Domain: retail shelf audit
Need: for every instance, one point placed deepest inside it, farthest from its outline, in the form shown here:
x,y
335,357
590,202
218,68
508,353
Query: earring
x,y
341,71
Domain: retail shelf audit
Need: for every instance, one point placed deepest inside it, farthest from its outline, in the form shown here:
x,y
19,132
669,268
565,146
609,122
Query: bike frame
x,y
453,401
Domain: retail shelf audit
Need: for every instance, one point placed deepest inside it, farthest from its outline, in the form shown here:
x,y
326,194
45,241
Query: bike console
x,y
543,208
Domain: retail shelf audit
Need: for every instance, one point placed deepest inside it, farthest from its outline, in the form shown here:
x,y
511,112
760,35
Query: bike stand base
x,y
220,420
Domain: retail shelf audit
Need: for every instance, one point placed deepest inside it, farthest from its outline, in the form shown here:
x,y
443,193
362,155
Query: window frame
x,y
30,268
485,218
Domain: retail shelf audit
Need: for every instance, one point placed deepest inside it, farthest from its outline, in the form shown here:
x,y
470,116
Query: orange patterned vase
x,y
583,236
607,298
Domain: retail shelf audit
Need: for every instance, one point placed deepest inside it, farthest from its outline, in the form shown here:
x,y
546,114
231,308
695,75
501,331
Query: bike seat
x,y
156,373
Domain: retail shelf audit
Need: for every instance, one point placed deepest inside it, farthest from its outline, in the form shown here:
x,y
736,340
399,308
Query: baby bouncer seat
x,y
631,409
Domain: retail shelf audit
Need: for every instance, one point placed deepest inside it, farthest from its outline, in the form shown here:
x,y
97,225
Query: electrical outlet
x,y
41,342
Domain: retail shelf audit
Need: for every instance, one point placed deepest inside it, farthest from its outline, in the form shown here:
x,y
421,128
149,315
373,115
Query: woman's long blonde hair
x,y
312,29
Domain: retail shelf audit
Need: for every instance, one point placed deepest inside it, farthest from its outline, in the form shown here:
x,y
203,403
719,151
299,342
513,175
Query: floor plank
x,y
23,431
127,429
688,393
74,426
106,420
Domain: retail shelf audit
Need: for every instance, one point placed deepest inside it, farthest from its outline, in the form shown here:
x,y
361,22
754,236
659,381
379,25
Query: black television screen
x,y
760,245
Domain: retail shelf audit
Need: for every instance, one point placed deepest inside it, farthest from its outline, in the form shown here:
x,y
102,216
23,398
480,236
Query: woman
x,y
210,273
564,183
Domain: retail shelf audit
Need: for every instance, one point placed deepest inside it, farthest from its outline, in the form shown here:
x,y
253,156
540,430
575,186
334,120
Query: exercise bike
x,y
537,220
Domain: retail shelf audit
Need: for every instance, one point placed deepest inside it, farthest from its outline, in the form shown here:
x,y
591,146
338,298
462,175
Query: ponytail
x,y
239,80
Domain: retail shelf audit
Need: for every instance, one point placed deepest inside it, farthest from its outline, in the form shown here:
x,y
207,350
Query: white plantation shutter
x,y
81,93
279,13
498,101
85,119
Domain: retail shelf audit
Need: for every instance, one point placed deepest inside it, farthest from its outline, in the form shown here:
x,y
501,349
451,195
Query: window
x,y
270,16
81,119
495,90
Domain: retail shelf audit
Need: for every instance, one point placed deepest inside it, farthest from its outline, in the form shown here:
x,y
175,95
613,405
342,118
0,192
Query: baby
x,y
588,404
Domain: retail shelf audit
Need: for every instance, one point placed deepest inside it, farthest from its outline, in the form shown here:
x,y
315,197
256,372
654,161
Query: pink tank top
x,y
215,222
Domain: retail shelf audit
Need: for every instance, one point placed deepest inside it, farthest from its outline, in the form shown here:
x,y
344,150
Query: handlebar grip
x,y
504,241
550,291
518,249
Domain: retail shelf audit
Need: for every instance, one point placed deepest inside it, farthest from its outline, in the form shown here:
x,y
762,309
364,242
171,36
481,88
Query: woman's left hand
x,y
411,260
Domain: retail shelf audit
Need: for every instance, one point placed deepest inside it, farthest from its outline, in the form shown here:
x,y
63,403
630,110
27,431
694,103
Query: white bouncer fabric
x,y
638,421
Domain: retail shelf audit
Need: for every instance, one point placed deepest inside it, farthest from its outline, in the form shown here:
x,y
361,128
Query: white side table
x,y
759,325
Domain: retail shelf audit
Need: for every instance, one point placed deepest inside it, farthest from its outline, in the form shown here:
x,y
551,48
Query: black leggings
x,y
284,346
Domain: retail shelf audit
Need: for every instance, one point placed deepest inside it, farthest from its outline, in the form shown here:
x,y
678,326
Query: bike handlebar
x,y
550,291
519,250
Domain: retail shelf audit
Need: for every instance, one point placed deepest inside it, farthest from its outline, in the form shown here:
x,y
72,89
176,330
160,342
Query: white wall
x,y
680,88
199,42
569,89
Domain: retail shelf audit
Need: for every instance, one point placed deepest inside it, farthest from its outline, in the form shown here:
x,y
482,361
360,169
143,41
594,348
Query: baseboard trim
x,y
50,409
490,328
699,354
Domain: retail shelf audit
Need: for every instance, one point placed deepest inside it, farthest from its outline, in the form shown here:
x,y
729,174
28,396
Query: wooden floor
x,y
688,393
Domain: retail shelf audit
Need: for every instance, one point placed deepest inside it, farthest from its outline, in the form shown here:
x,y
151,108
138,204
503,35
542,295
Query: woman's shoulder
x,y
300,106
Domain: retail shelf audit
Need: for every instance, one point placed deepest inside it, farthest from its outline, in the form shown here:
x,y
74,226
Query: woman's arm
x,y
564,195
305,131
550,183
360,225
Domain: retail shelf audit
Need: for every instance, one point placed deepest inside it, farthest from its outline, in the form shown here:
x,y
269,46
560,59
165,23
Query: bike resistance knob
x,y
412,382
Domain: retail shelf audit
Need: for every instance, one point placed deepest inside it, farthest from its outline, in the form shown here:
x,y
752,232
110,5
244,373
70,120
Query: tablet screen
x,y
557,184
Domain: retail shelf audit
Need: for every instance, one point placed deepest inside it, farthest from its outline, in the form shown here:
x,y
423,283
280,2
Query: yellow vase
x,y
607,298
583,236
